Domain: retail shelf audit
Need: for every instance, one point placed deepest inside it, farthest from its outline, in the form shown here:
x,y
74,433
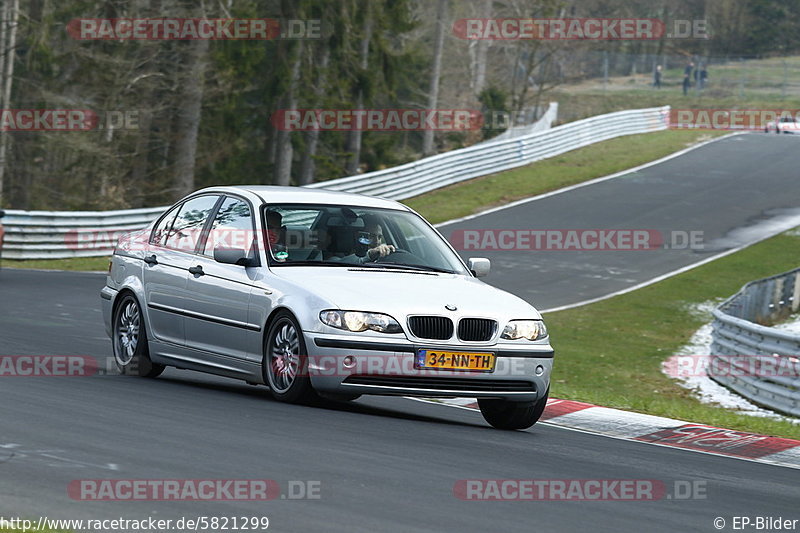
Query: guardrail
x,y
739,337
438,171
54,234
544,123
57,234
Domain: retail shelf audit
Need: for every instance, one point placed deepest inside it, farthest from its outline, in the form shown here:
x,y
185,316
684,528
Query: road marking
x,y
590,182
20,453
615,423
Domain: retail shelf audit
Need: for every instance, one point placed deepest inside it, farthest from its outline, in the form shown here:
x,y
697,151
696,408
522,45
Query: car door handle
x,y
197,271
151,260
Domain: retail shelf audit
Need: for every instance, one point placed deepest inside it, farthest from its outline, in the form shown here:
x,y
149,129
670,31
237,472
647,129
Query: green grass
x,y
754,84
609,353
574,105
77,263
573,167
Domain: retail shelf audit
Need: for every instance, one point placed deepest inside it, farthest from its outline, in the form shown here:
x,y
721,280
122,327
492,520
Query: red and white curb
x,y
663,431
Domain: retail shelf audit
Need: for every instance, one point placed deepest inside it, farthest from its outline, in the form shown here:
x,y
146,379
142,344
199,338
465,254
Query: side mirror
x,y
479,266
233,256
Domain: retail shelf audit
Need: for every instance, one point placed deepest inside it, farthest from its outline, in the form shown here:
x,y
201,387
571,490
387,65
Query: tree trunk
x,y
141,157
436,73
482,50
189,113
283,141
307,168
354,138
10,52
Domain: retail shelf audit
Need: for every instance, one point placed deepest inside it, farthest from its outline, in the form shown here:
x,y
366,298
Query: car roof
x,y
272,194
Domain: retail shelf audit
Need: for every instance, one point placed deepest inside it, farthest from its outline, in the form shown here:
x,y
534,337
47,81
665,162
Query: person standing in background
x,y
657,77
703,77
687,77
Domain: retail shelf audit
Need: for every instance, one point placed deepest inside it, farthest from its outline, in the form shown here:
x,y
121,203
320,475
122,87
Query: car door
x,y
167,261
217,310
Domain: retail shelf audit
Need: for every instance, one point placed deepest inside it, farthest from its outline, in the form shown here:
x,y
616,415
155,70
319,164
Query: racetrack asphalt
x,y
734,191
388,464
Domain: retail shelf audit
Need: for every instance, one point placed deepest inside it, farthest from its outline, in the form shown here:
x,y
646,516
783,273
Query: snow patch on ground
x,y
792,326
707,390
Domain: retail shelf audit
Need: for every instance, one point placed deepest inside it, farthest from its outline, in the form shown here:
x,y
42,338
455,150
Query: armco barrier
x,y
52,234
431,173
56,234
739,336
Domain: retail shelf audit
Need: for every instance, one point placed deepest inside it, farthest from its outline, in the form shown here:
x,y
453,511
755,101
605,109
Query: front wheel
x,y
131,352
285,363
506,414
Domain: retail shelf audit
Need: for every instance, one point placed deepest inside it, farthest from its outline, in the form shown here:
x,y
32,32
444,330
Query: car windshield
x,y
348,236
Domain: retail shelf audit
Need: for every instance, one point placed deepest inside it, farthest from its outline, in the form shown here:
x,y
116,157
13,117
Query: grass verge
x,y
609,353
577,166
74,263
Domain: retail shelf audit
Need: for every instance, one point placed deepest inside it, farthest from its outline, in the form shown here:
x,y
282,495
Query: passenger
x,y
276,235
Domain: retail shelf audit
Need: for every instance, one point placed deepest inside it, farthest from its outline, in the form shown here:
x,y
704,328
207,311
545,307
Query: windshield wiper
x,y
403,266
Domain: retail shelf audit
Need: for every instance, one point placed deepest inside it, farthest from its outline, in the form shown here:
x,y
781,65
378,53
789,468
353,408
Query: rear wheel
x,y
285,363
506,414
131,351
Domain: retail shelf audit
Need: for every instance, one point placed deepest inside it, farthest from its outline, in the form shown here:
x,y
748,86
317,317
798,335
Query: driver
x,y
369,244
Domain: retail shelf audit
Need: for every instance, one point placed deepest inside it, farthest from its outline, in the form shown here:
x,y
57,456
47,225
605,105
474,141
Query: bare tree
x,y
10,14
479,51
354,137
436,73
284,152
189,113
312,137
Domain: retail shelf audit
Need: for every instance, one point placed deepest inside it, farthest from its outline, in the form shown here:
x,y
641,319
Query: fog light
x,y
539,370
349,361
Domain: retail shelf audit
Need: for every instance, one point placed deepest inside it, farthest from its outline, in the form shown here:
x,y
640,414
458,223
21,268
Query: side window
x,y
160,232
232,227
189,223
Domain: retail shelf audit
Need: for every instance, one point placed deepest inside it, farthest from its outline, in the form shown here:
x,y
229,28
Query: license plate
x,y
444,360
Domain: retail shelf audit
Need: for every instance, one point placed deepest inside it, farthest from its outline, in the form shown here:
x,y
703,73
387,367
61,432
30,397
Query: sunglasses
x,y
366,238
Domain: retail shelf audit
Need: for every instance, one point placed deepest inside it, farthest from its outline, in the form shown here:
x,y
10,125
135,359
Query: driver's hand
x,y
382,250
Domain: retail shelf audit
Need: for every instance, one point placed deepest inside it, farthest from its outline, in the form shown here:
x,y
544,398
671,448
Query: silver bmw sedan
x,y
322,294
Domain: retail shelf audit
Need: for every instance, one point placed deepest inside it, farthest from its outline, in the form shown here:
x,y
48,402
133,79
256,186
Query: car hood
x,y
404,293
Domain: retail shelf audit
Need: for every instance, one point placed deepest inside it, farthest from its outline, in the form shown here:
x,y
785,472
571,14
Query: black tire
x,y
129,340
285,363
506,414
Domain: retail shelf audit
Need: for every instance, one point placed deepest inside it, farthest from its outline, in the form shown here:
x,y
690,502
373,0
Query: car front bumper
x,y
344,365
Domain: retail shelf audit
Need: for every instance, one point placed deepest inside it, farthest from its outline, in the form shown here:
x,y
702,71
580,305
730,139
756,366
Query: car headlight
x,y
524,329
360,321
